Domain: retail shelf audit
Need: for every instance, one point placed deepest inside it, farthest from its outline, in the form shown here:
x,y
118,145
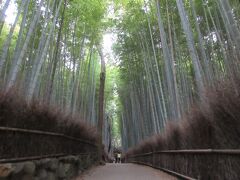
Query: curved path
x,y
125,172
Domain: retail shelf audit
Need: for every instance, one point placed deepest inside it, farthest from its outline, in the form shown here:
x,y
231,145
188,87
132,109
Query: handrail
x,y
19,130
21,159
192,151
201,152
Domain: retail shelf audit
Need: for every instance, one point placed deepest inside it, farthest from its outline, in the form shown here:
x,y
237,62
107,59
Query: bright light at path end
x,y
108,40
11,13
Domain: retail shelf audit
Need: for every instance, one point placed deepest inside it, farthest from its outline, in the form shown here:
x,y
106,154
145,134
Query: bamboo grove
x,y
51,52
170,53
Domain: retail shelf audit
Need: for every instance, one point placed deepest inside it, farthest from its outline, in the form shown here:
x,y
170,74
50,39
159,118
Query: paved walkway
x,y
125,172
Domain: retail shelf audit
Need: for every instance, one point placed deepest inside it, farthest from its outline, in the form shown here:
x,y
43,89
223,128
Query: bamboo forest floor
x,y
125,172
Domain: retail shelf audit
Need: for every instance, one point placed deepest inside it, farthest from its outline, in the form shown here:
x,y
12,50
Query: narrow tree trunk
x,y
101,102
7,42
169,69
16,66
43,54
20,35
201,46
2,14
55,58
191,45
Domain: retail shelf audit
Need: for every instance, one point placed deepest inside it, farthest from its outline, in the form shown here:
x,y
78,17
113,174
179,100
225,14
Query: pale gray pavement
x,y
125,172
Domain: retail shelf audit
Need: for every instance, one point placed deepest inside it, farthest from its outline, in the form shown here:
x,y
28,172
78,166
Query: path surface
x,y
125,172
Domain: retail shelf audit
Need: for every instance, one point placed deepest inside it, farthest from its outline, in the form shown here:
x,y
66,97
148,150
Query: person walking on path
x,y
118,158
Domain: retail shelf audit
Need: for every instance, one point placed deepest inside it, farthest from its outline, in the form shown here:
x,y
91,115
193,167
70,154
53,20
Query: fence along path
x,y
188,161
125,171
11,134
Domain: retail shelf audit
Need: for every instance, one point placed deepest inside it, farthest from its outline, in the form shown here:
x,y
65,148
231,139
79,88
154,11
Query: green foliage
x,y
137,88
143,68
